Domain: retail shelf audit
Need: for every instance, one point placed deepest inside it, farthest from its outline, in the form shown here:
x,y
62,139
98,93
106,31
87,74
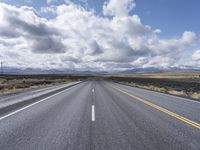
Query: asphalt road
x,y
101,115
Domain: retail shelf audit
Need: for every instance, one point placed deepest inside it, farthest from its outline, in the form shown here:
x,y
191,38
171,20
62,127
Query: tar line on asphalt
x,y
164,110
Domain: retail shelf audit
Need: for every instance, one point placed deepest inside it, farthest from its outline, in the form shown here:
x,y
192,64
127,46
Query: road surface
x,y
101,115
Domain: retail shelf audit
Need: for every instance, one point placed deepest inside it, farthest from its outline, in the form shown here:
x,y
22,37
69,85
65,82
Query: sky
x,y
100,35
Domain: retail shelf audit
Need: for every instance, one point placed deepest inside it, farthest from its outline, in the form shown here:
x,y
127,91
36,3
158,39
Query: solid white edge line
x,y
93,113
14,112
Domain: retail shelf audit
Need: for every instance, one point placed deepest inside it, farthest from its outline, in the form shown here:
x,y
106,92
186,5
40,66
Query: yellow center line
x,y
164,110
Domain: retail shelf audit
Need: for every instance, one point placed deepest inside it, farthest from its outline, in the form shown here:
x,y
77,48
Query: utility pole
x,y
1,68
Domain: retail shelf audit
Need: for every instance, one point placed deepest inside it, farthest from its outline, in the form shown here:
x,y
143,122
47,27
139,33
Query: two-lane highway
x,y
101,115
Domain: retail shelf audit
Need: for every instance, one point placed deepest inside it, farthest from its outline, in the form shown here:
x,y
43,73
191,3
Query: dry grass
x,y
196,95
176,92
179,84
189,75
15,83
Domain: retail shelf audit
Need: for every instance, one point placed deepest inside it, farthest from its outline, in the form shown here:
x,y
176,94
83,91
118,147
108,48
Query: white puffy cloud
x,y
196,55
47,10
78,38
51,1
118,7
25,22
193,61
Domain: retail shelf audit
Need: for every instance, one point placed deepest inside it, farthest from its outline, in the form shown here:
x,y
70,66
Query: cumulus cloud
x,y
118,7
25,22
51,1
49,9
193,61
196,55
78,38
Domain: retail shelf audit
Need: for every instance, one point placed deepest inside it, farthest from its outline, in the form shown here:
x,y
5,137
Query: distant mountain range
x,y
13,70
158,70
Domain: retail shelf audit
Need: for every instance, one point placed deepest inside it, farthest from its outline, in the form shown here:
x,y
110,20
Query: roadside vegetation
x,y
179,84
16,83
